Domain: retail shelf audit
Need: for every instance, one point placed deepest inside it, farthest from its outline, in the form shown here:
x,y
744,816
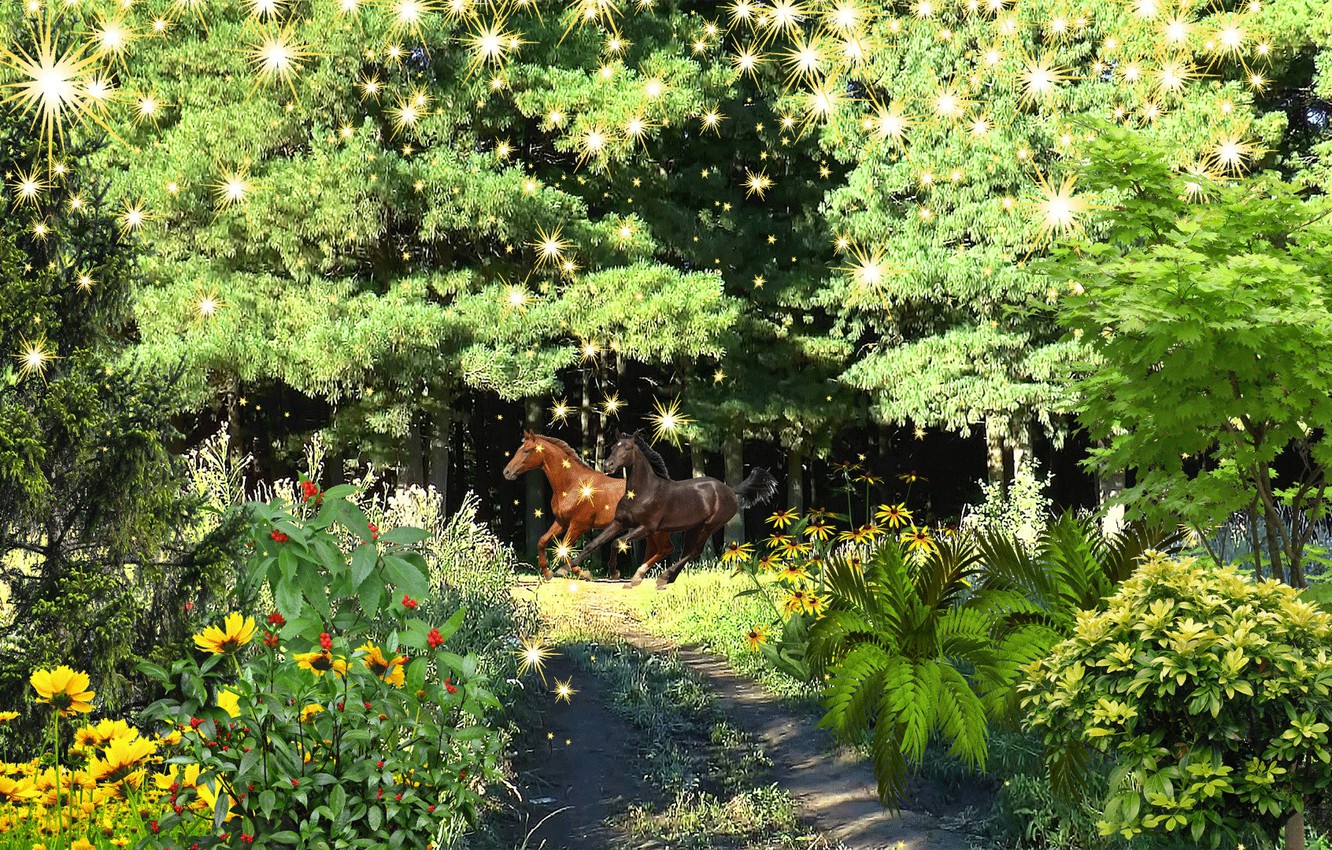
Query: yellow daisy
x,y
63,688
236,631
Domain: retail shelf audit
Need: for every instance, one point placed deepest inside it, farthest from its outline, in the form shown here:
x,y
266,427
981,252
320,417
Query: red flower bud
x,y
397,797
295,782
434,639
408,602
276,619
189,606
279,536
309,490
380,764
449,686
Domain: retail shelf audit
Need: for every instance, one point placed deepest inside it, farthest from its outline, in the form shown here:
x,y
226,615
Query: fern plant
x,y
912,651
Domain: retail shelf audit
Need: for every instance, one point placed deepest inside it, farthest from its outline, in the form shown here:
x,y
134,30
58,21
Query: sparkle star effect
x,y
564,690
533,656
667,420
50,84
34,358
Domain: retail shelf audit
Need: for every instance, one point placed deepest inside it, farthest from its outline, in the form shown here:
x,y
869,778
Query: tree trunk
x,y
734,454
1108,486
697,462
534,497
1295,832
996,430
440,449
1251,518
795,478
585,417
1274,559
1019,438
414,470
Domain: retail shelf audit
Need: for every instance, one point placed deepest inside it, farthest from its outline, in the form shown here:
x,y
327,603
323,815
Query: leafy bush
x,y
1210,691
333,732
1021,508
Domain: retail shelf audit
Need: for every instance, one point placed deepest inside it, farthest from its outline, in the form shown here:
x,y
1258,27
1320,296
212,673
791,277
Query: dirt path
x,y
833,788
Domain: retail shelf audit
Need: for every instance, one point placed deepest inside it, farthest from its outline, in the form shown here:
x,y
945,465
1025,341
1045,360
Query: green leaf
x,y
405,535
407,577
363,560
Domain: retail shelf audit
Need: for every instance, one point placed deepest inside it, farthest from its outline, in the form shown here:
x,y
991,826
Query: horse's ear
x,y
638,435
528,435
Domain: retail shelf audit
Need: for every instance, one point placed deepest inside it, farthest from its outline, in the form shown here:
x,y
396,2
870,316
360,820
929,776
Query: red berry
x,y
295,782
434,639
326,640
276,619
279,536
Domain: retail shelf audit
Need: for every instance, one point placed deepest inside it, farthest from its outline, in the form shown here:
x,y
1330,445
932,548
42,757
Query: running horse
x,y
654,504
583,499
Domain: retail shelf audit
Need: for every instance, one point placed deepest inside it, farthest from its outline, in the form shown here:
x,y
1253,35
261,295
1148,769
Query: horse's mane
x,y
564,447
657,461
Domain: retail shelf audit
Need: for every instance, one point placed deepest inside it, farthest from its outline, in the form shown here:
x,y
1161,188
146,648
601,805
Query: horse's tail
x,y
757,489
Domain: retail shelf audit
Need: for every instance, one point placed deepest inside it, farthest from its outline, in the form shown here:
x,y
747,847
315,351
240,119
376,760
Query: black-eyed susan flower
x,y
236,631
818,530
794,549
6,716
893,516
321,662
390,670
777,541
793,572
768,563
796,602
781,519
910,477
757,637
308,712
737,552
65,689
814,604
918,540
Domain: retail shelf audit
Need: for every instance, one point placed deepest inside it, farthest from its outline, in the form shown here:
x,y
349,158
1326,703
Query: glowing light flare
x,y
1058,210
34,358
667,421
533,656
50,85
757,183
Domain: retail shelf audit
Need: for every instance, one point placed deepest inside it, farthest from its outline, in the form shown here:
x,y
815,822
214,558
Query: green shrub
x,y
1210,692
333,730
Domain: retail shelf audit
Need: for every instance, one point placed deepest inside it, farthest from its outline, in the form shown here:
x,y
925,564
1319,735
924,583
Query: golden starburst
x,y
1058,210
1231,153
746,61
757,183
207,304
491,45
559,412
889,125
276,57
34,357
533,656
50,85
564,690
28,186
409,111
868,269
265,9
111,38
133,216
611,405
550,247
232,188
1041,79
667,421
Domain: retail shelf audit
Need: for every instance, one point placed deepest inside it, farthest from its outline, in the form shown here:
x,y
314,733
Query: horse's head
x,y
527,458
621,454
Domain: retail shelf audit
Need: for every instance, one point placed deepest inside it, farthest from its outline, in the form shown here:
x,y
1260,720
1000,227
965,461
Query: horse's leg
x,y
577,528
693,548
555,528
658,547
612,572
612,530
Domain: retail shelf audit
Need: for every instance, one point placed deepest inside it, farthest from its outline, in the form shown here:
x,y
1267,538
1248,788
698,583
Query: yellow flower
x,y
756,638
64,689
782,519
81,844
796,602
207,800
321,662
229,701
187,775
818,530
389,671
918,540
17,791
814,605
6,716
768,563
120,758
793,572
736,552
894,516
236,631
308,713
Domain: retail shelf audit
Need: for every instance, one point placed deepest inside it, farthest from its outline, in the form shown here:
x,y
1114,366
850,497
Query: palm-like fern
x,y
913,651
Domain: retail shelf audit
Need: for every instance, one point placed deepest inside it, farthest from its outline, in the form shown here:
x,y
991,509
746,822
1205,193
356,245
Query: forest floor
x,y
665,746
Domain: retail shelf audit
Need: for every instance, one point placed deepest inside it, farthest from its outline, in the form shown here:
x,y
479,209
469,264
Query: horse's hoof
x,y
662,582
615,576
631,585
545,573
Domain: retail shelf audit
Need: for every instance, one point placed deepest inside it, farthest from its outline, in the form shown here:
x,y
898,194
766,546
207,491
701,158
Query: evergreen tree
x,y
89,493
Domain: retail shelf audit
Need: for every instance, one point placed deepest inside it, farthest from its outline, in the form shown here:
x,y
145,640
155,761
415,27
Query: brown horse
x,y
582,499
653,504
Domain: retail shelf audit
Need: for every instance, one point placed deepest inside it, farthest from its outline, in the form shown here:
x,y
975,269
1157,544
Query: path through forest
x,y
592,774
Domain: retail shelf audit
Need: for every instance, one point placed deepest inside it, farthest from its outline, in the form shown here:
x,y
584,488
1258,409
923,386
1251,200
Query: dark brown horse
x,y
582,499
653,504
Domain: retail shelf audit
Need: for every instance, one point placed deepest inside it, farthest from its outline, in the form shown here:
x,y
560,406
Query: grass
x,y
701,609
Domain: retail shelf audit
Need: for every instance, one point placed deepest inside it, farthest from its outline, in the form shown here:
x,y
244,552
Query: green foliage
x,y
335,739
914,652
1207,323
1209,690
1020,507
